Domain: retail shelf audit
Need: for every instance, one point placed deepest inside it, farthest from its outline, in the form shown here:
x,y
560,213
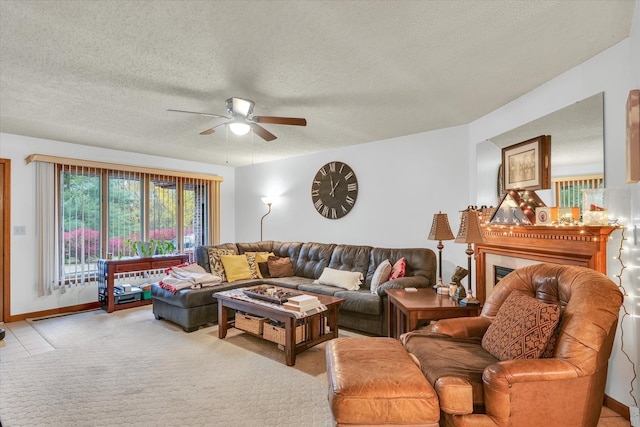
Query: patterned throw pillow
x,y
381,275
215,264
522,328
253,265
398,269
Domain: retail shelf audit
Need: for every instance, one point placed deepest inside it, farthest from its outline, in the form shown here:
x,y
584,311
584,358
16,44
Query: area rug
x,y
127,368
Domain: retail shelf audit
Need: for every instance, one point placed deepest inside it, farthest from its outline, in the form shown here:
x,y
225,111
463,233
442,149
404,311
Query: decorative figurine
x,y
459,274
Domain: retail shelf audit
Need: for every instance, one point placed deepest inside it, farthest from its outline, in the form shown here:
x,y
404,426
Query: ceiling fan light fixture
x,y
240,106
239,128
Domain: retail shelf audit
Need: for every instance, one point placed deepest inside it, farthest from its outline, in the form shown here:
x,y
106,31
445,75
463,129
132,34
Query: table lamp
x,y
440,231
469,233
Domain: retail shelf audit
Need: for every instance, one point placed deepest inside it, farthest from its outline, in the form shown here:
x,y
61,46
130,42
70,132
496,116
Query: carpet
x,y
127,368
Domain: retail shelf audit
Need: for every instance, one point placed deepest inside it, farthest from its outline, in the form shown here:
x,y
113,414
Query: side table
x,y
107,269
407,308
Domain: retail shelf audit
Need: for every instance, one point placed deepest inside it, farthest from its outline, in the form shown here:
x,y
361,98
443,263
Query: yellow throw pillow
x,y
236,267
262,257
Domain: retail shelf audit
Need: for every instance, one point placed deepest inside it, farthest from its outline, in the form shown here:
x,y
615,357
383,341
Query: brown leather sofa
x,y
361,310
477,389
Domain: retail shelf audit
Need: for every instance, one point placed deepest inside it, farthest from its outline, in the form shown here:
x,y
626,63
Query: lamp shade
x,y
440,229
470,231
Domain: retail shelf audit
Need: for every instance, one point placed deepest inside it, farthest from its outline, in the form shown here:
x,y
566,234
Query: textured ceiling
x,y
103,73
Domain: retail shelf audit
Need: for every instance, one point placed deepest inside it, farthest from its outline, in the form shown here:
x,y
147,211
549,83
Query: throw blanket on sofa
x,y
189,275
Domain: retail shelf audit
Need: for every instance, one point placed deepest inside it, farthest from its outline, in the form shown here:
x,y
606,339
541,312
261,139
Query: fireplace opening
x,y
499,272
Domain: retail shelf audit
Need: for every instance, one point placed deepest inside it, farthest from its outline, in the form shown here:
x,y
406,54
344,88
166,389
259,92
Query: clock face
x,y
334,190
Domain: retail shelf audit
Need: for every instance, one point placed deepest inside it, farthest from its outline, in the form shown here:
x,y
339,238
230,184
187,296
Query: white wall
x,y
24,297
402,183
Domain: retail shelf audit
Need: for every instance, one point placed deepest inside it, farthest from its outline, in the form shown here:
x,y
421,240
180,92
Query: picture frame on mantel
x,y
633,136
527,165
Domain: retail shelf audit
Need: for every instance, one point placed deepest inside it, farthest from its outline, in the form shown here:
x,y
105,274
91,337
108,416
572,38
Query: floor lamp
x,y
440,231
268,202
470,233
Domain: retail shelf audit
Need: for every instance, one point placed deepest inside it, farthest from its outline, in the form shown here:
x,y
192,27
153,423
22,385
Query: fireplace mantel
x,y
578,245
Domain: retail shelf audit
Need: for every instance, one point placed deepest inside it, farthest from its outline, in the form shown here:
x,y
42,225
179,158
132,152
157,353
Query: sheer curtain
x,y
47,226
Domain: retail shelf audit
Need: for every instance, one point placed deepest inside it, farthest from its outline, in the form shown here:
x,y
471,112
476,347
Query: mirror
x,y
577,147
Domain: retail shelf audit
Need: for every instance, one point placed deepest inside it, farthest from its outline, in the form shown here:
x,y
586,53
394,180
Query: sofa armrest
x,y
402,282
461,327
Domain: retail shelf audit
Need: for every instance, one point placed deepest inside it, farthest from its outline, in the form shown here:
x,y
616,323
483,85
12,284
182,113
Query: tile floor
x,y
21,340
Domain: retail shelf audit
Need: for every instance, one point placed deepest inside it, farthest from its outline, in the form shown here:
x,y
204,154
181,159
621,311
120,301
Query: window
x,y
569,189
97,208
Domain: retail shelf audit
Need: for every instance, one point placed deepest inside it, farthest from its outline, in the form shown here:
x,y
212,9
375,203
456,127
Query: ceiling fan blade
x,y
262,132
217,124
294,121
202,114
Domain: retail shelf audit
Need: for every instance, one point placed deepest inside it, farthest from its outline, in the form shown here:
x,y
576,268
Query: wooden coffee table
x,y
315,324
407,308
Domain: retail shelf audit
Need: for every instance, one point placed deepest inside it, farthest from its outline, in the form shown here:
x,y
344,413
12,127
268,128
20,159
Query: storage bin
x,y
276,334
146,291
249,323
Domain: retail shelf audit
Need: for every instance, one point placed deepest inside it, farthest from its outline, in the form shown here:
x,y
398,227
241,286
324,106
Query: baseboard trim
x,y
617,407
53,312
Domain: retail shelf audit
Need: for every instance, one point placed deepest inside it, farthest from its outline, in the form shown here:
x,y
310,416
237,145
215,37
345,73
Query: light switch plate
x,y
634,411
19,230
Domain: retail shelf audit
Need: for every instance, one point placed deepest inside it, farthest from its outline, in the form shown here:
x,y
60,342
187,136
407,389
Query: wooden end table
x,y
407,308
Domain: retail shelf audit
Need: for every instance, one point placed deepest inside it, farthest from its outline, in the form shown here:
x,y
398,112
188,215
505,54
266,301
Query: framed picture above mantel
x,y
527,165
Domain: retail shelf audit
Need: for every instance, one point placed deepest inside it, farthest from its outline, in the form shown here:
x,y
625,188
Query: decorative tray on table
x,y
270,293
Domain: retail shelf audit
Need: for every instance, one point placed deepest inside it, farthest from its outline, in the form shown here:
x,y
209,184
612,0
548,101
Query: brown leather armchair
x,y
567,389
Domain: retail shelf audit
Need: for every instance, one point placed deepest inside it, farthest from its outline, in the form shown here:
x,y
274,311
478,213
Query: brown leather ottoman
x,y
374,381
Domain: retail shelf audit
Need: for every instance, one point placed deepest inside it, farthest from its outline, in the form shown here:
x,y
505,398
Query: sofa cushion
x,y
349,280
313,258
351,258
236,267
522,328
381,275
280,267
441,356
420,263
262,246
287,249
317,288
215,263
187,298
293,282
362,301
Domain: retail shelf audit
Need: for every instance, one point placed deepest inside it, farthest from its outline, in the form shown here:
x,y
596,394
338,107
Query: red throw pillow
x,y
398,269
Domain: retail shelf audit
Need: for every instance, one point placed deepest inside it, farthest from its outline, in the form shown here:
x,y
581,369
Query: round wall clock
x,y
334,190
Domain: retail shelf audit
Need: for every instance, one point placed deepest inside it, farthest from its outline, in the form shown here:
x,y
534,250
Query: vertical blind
x,y
87,210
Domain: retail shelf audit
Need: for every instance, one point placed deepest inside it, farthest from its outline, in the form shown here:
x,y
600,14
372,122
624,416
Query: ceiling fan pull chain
x,y
227,146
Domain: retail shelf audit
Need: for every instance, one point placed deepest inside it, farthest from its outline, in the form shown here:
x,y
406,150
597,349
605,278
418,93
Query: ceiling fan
x,y
242,119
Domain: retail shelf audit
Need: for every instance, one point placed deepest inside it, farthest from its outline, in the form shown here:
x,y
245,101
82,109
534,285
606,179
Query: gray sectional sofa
x,y
362,310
